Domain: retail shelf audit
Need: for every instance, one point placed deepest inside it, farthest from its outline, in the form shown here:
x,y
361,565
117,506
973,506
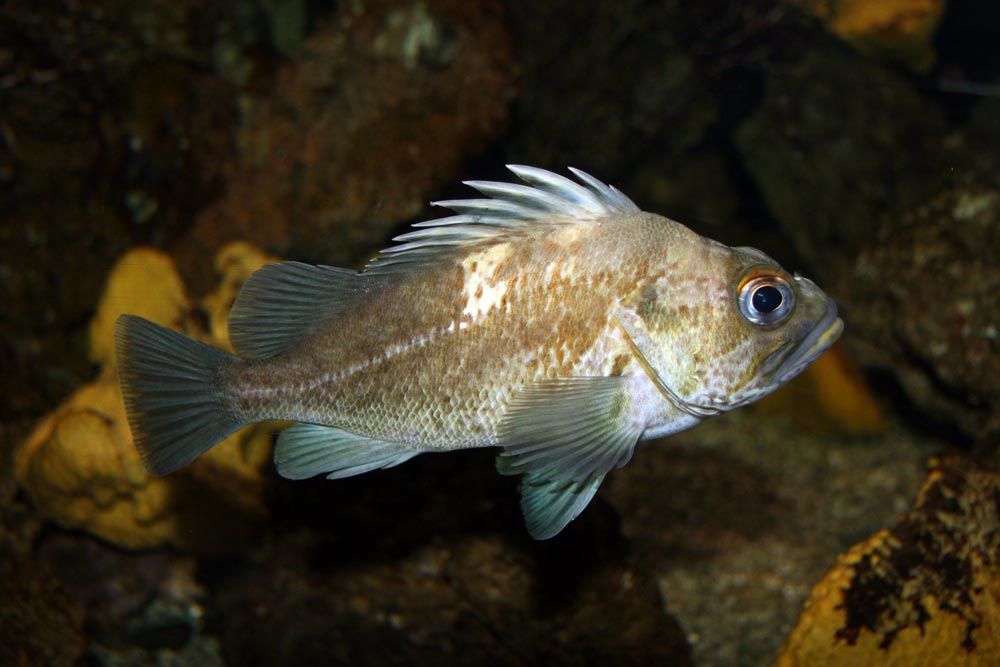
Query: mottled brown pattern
x,y
429,359
451,391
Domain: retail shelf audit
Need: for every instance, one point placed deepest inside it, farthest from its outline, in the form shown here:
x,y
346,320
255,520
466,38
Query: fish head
x,y
728,326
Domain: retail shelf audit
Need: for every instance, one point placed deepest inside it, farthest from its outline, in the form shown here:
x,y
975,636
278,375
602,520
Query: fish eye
x,y
766,300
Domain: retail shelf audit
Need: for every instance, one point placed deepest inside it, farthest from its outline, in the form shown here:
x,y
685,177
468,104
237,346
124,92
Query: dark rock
x,y
200,651
429,564
379,109
474,600
149,600
645,109
112,134
835,147
922,304
40,623
738,517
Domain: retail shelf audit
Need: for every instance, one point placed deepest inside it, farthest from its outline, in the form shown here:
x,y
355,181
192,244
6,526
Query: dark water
x,y
316,131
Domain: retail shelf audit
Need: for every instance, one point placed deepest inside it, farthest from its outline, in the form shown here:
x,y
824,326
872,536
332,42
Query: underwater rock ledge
x,y
927,587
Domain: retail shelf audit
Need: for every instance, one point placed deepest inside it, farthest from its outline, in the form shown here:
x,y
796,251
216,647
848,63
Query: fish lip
x,y
823,335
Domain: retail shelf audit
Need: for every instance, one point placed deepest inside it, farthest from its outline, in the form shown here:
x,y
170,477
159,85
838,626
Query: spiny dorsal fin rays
x,y
533,198
611,195
472,210
560,186
547,199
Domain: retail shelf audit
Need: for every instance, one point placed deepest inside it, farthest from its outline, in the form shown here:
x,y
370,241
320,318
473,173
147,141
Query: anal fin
x,y
307,450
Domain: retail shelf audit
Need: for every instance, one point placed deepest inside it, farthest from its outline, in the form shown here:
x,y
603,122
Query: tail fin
x,y
172,393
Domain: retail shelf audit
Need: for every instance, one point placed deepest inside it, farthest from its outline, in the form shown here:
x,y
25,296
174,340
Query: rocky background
x,y
852,518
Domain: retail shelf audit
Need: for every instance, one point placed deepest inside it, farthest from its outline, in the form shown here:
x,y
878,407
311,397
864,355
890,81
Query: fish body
x,y
432,362
554,320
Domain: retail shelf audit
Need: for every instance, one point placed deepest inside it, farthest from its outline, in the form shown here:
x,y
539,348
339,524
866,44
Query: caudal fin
x,y
170,384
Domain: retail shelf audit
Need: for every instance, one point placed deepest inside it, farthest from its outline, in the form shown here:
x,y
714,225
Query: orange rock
x,y
925,592
234,263
831,395
79,466
143,282
896,30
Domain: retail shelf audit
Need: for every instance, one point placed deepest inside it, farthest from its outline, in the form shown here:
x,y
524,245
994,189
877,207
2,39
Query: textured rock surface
x,y
924,299
139,608
113,132
738,518
40,623
835,146
648,125
478,599
380,108
926,591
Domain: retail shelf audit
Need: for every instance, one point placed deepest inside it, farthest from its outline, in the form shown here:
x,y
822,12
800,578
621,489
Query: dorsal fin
x,y
510,208
281,303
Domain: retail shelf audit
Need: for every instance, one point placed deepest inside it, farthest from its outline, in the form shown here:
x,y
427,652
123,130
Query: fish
x,y
550,318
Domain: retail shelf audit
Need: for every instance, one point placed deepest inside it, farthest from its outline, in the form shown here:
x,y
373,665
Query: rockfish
x,y
553,319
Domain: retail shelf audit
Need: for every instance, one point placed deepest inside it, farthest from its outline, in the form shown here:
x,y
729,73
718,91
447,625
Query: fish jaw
x,y
823,335
791,359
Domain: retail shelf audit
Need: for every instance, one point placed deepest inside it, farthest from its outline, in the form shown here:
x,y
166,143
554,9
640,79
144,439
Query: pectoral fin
x,y
550,504
566,435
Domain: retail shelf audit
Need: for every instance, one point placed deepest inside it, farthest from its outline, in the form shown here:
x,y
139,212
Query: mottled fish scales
x,y
553,319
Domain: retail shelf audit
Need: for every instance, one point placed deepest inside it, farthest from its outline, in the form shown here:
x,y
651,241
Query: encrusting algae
x,y
80,467
925,592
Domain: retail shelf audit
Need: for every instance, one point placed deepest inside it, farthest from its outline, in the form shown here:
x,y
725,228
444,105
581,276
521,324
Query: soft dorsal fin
x,y
508,209
281,303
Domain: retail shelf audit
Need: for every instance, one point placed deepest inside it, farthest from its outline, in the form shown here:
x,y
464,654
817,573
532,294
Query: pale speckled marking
x,y
483,291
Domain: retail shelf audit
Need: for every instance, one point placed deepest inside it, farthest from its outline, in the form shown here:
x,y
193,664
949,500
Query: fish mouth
x,y
823,335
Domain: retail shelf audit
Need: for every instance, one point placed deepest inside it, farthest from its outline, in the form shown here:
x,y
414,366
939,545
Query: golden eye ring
x,y
766,300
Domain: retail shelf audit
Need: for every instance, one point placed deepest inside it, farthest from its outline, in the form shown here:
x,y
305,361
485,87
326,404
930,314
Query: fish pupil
x,y
766,299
